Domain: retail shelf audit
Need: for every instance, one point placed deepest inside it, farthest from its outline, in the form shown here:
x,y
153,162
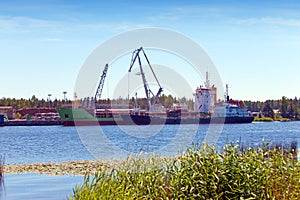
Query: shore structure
x,y
29,117
32,123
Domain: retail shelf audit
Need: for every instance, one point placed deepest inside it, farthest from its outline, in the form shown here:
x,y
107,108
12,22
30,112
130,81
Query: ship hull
x,y
79,117
89,123
150,120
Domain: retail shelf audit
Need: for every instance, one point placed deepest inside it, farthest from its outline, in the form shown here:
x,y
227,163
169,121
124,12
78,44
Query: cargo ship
x,y
206,108
81,117
226,113
206,111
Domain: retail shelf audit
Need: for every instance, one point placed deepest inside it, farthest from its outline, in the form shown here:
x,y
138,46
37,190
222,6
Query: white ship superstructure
x,y
205,98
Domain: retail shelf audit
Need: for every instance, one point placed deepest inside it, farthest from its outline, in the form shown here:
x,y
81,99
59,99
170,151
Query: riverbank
x,y
79,168
204,173
75,167
269,119
146,172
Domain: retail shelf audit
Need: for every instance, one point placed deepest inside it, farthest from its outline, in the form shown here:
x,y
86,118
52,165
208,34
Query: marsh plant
x,y
199,173
1,173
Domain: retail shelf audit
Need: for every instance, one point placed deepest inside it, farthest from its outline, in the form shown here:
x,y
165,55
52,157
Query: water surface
x,y
58,143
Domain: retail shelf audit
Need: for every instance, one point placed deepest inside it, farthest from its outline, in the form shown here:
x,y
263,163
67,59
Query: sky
x,y
255,45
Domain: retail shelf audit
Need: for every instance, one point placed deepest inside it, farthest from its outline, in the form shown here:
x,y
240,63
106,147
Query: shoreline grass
x,y
1,174
269,119
203,173
263,119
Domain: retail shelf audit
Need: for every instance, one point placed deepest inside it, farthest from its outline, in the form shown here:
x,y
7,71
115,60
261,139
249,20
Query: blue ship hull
x,y
153,120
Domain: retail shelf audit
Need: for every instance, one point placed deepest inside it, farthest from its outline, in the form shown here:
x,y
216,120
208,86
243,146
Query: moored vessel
x,y
206,108
206,111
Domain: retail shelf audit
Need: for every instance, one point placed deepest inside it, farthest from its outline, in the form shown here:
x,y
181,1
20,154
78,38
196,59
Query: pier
x,y
31,123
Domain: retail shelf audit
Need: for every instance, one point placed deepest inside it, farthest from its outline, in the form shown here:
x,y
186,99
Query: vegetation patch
x,y
284,120
201,173
1,174
263,119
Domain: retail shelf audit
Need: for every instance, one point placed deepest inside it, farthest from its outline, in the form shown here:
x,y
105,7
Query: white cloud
x,y
181,12
24,24
269,20
21,25
52,40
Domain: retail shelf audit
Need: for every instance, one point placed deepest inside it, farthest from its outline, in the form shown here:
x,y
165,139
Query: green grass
x,y
269,119
203,173
263,119
284,119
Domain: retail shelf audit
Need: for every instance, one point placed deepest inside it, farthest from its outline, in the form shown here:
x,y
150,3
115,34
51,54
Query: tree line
x,y
32,102
287,108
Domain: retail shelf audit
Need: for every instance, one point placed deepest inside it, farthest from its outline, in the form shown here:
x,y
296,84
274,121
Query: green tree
x,y
34,102
268,110
297,108
284,107
291,109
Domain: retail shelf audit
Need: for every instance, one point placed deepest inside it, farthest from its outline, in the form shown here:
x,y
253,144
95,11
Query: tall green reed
x,y
199,173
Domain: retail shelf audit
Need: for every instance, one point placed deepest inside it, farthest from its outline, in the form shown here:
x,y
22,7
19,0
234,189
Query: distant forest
x,y
285,107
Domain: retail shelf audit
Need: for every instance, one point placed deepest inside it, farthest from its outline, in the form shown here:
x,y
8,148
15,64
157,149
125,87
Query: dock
x,y
31,123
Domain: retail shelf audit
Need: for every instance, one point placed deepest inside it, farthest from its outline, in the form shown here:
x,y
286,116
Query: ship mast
x,y
227,94
207,82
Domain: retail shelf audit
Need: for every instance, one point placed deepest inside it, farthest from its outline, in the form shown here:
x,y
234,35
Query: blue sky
x,y
255,45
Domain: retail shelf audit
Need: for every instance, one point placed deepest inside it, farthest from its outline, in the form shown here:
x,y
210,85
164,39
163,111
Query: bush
x,y
263,119
201,173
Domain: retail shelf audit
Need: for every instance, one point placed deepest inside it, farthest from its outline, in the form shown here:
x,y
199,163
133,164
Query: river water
x,y
58,143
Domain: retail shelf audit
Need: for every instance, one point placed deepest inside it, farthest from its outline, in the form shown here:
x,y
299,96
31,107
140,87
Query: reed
x,y
199,173
1,172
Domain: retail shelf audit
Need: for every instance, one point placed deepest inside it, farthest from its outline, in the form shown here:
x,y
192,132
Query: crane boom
x,y
146,87
101,84
135,55
151,67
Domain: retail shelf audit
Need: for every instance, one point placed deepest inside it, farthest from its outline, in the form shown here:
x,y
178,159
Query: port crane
x,y
136,56
101,84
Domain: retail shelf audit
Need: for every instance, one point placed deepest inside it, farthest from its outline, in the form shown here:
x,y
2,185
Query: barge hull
x,y
159,121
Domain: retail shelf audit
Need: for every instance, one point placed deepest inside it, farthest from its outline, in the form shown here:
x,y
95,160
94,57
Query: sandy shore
x,y
60,168
78,167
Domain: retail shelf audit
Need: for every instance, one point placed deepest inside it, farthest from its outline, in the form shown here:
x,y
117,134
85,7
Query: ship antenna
x,y
207,83
227,93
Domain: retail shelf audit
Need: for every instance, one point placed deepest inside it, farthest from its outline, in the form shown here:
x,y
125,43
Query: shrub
x,y
200,173
263,119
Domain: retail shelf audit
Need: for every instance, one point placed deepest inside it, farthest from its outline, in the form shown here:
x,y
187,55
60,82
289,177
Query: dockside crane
x,y
136,55
101,84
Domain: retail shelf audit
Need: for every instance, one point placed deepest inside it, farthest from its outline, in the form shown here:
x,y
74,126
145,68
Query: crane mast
x,y
135,55
101,84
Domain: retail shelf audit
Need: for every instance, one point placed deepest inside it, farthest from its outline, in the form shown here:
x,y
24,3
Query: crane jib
x,y
135,55
101,84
